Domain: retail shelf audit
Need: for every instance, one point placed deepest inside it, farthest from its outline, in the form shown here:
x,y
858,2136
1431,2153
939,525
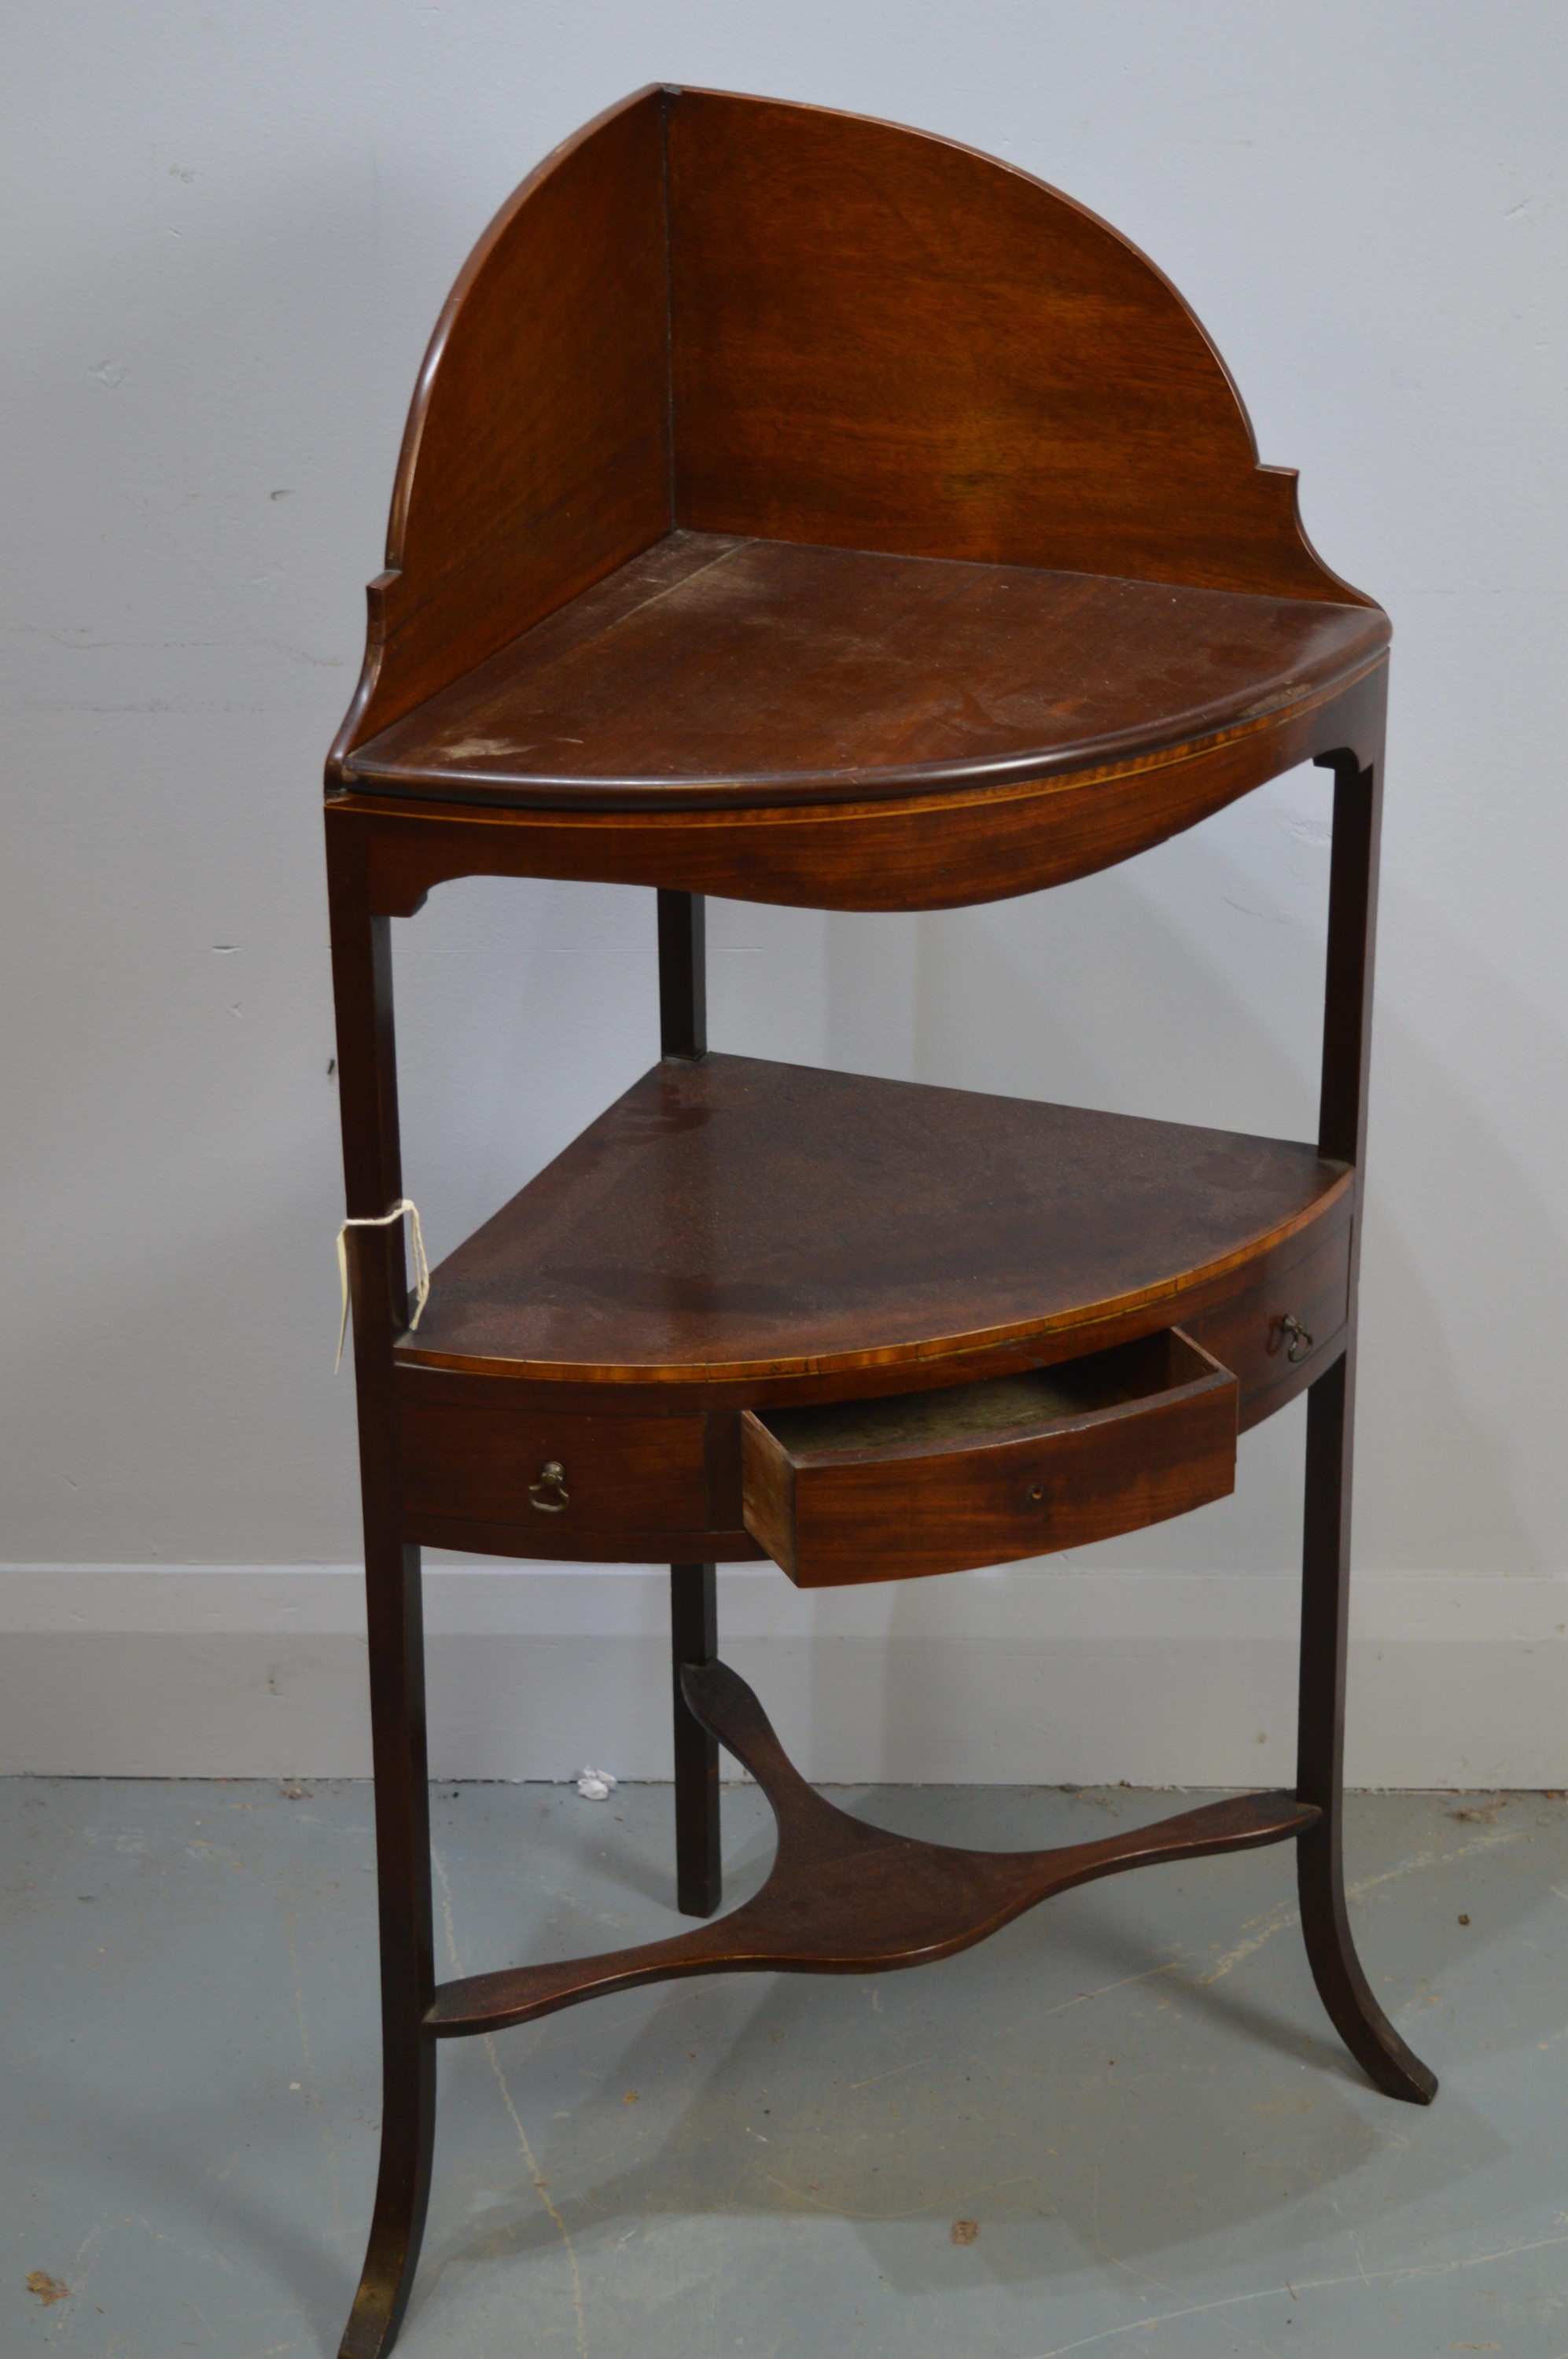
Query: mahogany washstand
x,y
804,509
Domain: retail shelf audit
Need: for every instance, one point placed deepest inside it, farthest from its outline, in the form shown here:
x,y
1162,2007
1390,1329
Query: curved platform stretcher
x,y
802,509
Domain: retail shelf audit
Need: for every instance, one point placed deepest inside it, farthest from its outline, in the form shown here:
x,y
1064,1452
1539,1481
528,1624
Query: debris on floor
x,y
48,2289
595,1785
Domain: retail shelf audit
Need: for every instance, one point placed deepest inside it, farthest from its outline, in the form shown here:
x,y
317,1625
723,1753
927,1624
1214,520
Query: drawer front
x,y
493,1467
835,1516
1273,1360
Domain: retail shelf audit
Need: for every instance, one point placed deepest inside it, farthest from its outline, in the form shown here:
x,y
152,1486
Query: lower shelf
x,y
668,1346
844,1897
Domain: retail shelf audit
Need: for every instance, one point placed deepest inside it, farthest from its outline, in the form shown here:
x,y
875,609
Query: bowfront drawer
x,y
1280,1333
1016,1466
553,1482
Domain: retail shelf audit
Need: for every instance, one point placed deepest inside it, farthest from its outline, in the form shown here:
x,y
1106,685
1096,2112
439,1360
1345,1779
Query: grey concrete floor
x,y
1133,2095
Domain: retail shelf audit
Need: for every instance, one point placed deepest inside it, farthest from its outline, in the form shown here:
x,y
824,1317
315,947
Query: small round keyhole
x,y
1037,1491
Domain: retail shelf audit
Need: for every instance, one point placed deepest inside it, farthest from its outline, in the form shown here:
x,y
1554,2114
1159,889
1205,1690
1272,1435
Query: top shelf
x,y
717,668
764,455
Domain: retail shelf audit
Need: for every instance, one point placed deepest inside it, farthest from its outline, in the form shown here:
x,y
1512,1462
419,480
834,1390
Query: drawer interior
x,y
998,1408
984,1473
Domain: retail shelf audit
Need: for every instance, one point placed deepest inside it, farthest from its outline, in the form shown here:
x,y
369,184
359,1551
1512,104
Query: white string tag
x,y
421,1266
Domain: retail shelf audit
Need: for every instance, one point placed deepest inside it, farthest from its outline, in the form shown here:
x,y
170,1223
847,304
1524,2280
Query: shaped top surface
x,y
717,668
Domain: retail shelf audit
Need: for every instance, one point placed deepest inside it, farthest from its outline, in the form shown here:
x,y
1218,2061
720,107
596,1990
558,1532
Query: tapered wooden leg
x,y
403,1880
362,973
402,2194
1325,1616
694,1639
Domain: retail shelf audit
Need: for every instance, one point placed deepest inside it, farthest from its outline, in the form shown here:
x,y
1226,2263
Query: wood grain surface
x,y
745,318
986,1474
884,340
808,509
844,1898
739,1218
716,671
470,1445
942,850
1307,1282
536,456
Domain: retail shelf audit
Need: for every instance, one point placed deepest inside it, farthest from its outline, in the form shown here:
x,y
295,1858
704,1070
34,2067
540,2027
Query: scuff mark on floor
x,y
891,2074
1277,1918
1304,2285
312,2089
1149,1974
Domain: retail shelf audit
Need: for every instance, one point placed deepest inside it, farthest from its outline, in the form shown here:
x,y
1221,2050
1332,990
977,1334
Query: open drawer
x,y
1016,1466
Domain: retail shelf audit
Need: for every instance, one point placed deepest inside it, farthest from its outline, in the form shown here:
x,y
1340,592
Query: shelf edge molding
x,y
947,850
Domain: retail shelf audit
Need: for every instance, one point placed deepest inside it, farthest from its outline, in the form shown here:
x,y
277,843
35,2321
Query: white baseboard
x,y
1025,1675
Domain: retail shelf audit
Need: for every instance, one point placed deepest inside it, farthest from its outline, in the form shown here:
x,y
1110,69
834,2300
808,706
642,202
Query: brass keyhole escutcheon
x,y
1297,1342
549,1494
1036,1492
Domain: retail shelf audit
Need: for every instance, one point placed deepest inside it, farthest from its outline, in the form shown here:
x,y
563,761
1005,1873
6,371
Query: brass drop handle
x,y
1297,1342
549,1494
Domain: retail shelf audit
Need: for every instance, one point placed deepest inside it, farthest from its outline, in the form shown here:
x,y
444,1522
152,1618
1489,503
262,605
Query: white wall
x,y
229,228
